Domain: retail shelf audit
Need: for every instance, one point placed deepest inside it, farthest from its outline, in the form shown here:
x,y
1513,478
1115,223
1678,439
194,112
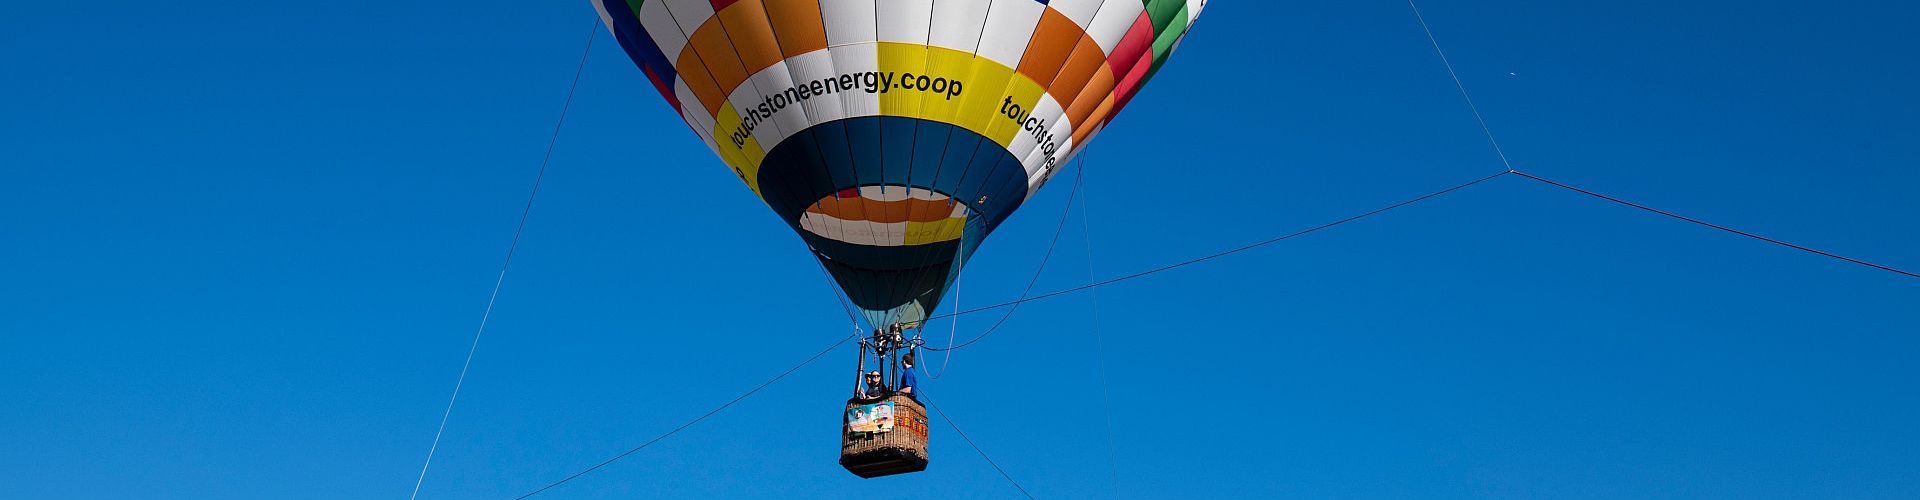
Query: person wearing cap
x,y
874,387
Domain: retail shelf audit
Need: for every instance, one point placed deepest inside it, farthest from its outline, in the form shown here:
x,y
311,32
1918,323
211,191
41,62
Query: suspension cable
x,y
922,397
1099,340
1219,254
505,263
953,329
1079,172
676,430
833,288
1510,169
1676,216
1435,42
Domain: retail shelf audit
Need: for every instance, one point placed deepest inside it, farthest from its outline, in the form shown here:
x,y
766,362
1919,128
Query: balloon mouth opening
x,y
887,215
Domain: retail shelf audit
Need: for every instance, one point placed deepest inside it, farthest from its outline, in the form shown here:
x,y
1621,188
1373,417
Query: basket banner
x,y
877,417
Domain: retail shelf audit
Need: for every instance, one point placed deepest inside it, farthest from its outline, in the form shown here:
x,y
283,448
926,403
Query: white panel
x,y
957,24
704,131
876,193
858,60
905,20
690,105
817,66
928,195
828,227
1010,25
660,26
688,13
605,17
770,131
1112,23
776,80
1080,11
848,21
1062,133
855,231
1067,161
1027,147
1193,10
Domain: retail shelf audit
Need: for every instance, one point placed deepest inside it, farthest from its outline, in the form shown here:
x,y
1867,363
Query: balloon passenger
x,y
907,381
875,387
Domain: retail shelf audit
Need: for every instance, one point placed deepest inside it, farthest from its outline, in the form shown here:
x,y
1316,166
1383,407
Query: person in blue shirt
x,y
907,382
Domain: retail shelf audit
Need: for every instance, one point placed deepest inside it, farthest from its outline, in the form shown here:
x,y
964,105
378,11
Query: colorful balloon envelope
x,y
895,135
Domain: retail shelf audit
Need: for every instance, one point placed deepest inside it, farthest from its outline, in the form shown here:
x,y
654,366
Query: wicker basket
x,y
900,450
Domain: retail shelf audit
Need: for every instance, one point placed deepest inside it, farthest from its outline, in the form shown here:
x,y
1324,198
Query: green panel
x,y
1163,12
1163,39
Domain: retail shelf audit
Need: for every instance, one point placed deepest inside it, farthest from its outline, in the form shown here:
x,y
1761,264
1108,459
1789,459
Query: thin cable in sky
x,y
1227,252
1099,339
501,279
1078,173
976,448
1460,86
1503,159
1676,216
676,430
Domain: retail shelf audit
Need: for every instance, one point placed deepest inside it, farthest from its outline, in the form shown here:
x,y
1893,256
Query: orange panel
x,y
797,24
885,212
746,24
1097,89
694,72
888,212
1086,127
1086,61
1052,41
710,42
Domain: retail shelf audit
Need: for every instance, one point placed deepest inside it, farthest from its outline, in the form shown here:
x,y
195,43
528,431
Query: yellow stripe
x,y
990,92
745,159
921,233
897,58
988,85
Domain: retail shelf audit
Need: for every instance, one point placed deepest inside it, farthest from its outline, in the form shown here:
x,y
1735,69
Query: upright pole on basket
x,y
860,370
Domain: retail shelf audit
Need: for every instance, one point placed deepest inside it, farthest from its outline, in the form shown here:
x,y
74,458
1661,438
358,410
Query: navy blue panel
x,y
825,159
817,159
639,46
864,143
834,151
929,146
896,148
957,159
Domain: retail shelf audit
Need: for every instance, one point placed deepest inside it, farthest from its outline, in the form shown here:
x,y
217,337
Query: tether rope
x,y
501,279
704,416
1099,340
1676,216
1460,86
1222,253
1079,172
1503,159
953,329
922,397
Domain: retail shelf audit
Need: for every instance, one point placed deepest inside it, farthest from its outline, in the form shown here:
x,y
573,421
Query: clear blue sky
x,y
246,245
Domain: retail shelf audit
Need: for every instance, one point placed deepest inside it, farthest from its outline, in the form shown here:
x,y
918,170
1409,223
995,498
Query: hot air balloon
x,y
894,135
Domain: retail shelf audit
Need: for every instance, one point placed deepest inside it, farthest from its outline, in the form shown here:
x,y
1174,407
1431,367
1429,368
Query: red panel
x,y
1130,84
1139,40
